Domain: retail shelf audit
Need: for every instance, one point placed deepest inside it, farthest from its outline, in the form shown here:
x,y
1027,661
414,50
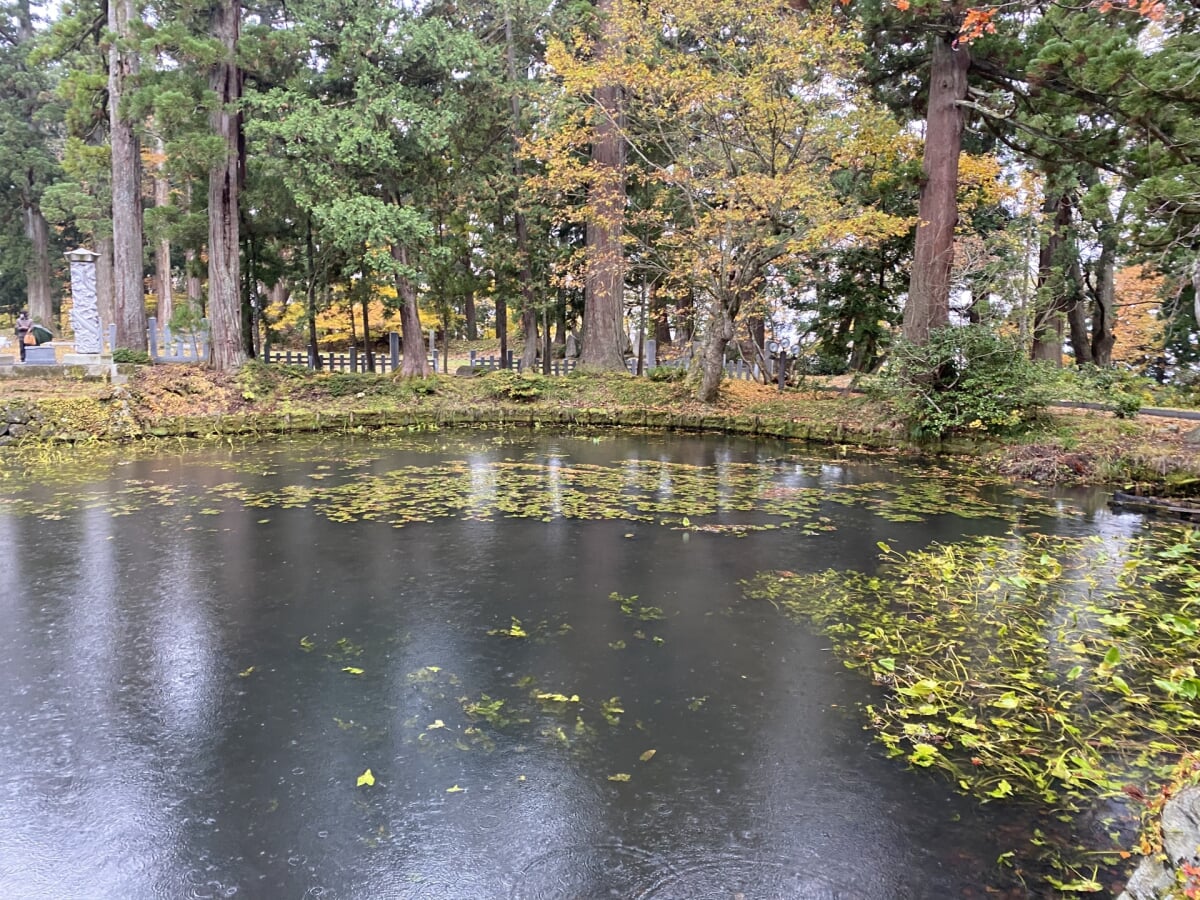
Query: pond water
x,y
204,652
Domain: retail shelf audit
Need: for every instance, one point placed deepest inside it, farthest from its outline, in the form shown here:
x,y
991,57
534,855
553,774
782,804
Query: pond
x,y
472,665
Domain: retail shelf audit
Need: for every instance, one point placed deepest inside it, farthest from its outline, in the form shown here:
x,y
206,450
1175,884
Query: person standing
x,y
23,326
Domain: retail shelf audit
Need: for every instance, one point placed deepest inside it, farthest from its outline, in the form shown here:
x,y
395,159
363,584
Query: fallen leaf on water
x,y
620,776
647,756
353,670
367,778
455,790
437,723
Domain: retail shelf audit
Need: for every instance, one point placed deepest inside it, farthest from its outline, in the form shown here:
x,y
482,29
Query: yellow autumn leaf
x,y
455,790
437,723
353,670
246,672
367,778
620,776
647,756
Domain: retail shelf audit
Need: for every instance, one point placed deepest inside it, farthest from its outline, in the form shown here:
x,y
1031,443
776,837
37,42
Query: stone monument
x,y
85,314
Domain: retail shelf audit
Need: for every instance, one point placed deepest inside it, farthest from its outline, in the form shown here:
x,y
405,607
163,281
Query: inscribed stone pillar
x,y
85,314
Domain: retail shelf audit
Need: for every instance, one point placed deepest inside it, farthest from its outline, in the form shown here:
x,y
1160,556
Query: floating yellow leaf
x,y
306,643
353,670
246,672
263,521
455,790
367,778
647,756
434,669
437,723
620,776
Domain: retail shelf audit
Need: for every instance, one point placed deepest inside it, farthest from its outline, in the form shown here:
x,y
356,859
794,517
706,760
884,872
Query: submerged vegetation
x,y
1056,669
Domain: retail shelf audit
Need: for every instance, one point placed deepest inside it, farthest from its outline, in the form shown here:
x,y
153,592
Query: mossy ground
x,y
1084,447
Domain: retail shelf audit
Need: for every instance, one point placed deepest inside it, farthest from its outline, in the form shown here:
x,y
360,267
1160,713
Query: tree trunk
x,y
658,310
129,291
1196,289
310,294
529,329
685,322
604,283
162,251
469,298
928,305
412,345
105,304
224,266
1051,295
712,365
528,310
37,285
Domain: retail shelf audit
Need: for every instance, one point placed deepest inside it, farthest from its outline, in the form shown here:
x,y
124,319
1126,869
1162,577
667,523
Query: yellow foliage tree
x,y
738,115
1139,331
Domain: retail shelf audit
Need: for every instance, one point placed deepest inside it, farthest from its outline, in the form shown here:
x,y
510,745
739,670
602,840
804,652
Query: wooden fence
x,y
356,361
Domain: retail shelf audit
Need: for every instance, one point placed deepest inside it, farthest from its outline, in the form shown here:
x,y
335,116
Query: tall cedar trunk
x,y
928,305
501,309
658,310
1050,306
685,322
412,347
224,266
1104,311
1077,317
41,307
529,331
37,273
603,335
128,269
469,298
1196,289
105,304
310,293
528,310
193,285
368,352
162,248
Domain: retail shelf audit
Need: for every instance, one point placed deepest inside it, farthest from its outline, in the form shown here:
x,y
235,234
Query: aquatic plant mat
x,y
347,483
1056,670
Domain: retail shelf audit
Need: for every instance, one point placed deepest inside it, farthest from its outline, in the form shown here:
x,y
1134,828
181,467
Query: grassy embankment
x,y
174,401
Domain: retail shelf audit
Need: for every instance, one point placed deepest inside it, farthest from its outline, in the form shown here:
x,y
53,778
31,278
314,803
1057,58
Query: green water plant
x,y
1056,668
1060,670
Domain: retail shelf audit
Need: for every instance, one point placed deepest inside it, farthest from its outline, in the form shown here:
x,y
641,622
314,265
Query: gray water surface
x,y
183,714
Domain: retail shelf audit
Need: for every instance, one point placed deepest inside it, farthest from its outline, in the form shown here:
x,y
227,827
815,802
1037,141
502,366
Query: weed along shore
x,y
1061,446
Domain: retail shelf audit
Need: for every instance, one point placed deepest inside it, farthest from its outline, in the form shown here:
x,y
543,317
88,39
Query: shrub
x,y
667,373
504,384
1120,388
965,379
125,355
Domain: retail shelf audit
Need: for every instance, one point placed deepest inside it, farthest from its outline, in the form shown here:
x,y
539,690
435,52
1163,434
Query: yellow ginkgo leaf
x,y
353,670
455,790
620,776
437,723
367,778
647,756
